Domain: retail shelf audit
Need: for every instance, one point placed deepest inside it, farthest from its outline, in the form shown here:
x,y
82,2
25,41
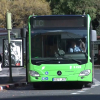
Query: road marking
x,y
85,88
97,83
96,80
75,93
92,86
80,91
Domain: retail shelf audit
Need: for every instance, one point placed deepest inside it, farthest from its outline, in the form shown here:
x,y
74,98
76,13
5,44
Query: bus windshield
x,y
48,44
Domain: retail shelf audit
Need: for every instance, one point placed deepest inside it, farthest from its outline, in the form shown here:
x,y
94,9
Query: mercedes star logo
x,y
59,72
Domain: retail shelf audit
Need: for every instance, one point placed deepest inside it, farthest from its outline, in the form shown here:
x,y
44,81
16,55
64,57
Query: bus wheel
x,y
88,85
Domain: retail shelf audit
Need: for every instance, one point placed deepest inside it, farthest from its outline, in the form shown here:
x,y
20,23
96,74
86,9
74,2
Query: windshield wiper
x,y
78,61
49,60
70,58
86,54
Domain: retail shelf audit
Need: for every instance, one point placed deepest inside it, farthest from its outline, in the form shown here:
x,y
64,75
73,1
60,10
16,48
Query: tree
x,y
21,9
74,7
3,9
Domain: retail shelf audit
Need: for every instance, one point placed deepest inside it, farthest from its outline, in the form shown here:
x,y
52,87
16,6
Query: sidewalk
x,y
18,75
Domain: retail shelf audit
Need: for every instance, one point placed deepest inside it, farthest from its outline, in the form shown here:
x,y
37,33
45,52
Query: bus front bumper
x,y
69,78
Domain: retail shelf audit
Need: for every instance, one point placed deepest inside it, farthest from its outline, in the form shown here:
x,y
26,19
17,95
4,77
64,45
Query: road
x,y
28,93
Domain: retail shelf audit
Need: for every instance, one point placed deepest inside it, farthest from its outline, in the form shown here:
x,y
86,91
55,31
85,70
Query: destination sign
x,y
61,22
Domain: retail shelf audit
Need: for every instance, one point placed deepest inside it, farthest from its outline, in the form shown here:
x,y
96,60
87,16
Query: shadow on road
x,y
5,80
64,97
48,87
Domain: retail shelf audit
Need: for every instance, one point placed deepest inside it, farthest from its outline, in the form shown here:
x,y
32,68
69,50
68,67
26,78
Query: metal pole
x,y
9,27
9,49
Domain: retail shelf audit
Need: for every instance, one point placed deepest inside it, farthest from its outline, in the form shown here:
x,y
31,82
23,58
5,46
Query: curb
x,y
13,85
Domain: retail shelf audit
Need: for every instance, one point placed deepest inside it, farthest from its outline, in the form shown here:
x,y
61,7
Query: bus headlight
x,y
34,73
85,73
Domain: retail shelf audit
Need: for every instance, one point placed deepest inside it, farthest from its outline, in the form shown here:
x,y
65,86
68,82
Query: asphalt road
x,y
28,93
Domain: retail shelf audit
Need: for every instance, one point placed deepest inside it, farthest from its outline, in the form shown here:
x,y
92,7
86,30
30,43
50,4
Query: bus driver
x,y
74,48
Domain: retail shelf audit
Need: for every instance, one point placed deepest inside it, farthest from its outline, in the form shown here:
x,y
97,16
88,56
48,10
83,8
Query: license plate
x,y
59,79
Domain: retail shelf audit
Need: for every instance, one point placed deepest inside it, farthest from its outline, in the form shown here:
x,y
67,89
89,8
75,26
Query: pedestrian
x,y
82,46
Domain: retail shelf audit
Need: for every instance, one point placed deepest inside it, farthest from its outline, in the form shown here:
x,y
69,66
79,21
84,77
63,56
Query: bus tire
x,y
88,85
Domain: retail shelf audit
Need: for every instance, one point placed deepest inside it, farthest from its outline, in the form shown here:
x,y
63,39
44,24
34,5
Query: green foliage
x,y
75,7
21,9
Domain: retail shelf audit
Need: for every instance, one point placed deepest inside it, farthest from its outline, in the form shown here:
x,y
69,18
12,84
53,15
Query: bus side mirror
x,y
93,36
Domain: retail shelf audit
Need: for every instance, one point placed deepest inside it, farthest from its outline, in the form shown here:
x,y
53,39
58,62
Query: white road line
x,y
92,86
75,93
85,88
80,91
97,83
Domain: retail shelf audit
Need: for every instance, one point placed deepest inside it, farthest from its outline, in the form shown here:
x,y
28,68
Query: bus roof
x,y
58,15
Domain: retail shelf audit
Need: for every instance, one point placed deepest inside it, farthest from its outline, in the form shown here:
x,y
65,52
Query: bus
x,y
59,50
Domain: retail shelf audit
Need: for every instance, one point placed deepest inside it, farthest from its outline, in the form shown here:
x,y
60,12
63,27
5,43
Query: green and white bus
x,y
49,44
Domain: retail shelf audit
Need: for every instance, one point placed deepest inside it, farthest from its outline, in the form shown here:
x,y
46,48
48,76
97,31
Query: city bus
x,y
59,50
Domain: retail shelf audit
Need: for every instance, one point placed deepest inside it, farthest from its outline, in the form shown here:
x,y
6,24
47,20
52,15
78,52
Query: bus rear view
x,y
59,50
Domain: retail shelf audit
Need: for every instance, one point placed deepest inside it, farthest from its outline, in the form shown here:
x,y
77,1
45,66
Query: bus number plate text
x,y
59,79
